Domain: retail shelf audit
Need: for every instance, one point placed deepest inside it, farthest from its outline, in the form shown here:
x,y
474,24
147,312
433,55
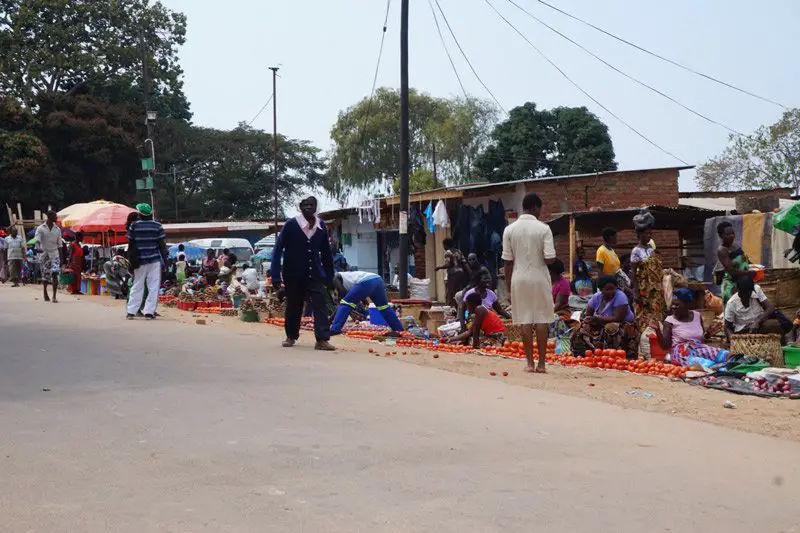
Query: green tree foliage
x,y
73,149
51,47
25,164
229,174
768,158
366,139
536,143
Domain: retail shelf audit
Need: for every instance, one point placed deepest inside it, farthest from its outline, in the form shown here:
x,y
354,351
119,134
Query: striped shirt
x,y
145,235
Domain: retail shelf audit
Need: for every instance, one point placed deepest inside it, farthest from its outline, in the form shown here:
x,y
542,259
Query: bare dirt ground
x,y
772,417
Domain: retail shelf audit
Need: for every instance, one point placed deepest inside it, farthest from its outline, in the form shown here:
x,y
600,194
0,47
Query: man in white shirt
x,y
49,240
250,279
15,248
749,311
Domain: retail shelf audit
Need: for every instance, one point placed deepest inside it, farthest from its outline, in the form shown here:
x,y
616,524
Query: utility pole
x,y
175,185
275,142
435,177
404,149
150,115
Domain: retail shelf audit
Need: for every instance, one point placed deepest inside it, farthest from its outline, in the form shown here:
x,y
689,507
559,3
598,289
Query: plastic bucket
x,y
65,278
248,316
791,356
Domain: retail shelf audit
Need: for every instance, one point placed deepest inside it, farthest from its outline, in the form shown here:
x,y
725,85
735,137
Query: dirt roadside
x,y
773,417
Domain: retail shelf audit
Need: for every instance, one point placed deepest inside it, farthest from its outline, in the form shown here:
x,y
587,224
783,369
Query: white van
x,y
241,248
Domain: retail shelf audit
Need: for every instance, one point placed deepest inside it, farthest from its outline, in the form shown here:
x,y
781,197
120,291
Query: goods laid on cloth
x,y
766,346
765,385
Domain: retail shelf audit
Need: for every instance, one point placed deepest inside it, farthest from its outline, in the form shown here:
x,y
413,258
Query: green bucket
x,y
65,278
791,356
248,316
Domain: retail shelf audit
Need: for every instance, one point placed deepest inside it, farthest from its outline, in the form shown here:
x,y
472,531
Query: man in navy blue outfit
x,y
307,269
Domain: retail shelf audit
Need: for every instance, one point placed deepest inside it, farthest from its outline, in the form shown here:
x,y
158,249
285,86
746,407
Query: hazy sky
x,y
327,51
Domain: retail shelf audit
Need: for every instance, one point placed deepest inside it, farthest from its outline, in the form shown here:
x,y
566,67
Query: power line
x,y
446,51
375,76
259,112
455,39
658,56
616,69
581,89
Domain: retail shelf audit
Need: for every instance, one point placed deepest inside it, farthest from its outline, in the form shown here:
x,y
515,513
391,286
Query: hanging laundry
x,y
440,217
429,217
376,210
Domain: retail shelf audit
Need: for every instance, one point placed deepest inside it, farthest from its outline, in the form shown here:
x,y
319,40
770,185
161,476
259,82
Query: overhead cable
x,y
581,89
662,58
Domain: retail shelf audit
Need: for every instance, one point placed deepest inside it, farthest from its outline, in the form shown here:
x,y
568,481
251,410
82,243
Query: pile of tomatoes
x,y
413,342
306,323
607,359
516,350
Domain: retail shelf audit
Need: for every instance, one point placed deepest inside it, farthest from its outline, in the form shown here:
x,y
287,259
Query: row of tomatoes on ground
x,y
306,323
605,359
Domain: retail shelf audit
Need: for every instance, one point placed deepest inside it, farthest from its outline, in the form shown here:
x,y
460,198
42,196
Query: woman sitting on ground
x,y
484,321
488,298
682,334
609,322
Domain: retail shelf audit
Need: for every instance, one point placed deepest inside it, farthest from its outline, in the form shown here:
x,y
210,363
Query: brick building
x,y
603,191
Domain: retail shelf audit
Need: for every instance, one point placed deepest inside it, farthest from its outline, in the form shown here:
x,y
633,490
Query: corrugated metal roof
x,y
722,203
227,225
488,184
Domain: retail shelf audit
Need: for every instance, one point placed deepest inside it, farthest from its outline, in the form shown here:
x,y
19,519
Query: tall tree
x,y
768,158
229,174
536,143
25,163
50,47
366,139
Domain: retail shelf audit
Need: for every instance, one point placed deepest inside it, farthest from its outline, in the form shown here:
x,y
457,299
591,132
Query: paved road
x,y
160,426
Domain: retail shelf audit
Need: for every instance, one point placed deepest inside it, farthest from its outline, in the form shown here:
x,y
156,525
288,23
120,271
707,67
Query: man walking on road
x,y
51,256
15,248
307,270
527,250
146,241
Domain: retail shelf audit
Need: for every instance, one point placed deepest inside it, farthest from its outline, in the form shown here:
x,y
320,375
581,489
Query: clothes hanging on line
x,y
440,217
429,217
369,211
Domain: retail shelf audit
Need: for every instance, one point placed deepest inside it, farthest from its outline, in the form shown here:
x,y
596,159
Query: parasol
x,y
192,252
111,218
69,216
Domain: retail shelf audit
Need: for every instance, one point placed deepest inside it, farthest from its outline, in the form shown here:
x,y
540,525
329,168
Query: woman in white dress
x,y
527,250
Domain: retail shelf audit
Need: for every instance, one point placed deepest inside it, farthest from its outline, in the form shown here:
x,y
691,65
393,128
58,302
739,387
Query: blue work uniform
x,y
361,285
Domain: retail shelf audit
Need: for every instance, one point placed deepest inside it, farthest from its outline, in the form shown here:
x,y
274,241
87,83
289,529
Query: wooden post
x,y
571,247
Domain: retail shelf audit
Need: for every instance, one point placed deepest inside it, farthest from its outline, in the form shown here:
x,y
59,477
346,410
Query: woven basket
x,y
766,347
513,331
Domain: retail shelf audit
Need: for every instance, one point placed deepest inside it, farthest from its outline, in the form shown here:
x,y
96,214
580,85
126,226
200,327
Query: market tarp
x,y
110,219
192,252
71,215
